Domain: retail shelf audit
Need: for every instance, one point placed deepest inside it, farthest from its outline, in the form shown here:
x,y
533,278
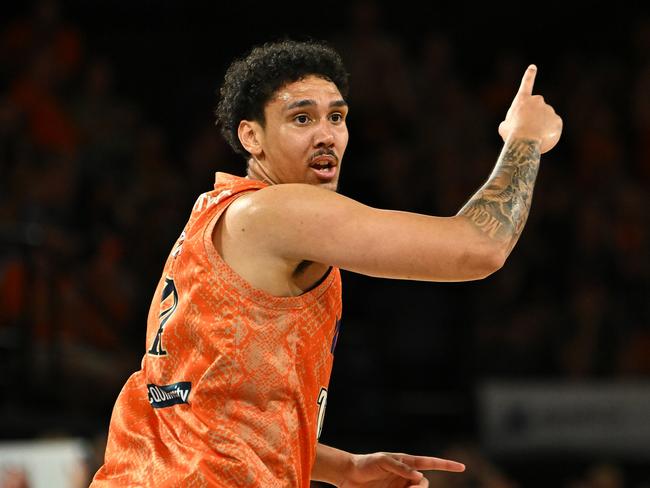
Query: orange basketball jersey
x,y
233,384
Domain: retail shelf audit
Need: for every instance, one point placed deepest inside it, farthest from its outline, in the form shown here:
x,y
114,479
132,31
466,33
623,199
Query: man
x,y
245,319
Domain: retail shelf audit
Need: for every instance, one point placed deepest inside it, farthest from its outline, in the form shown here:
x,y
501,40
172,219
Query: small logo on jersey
x,y
168,395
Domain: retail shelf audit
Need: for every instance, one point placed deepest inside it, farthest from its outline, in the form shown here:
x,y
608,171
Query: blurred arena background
x,y
538,376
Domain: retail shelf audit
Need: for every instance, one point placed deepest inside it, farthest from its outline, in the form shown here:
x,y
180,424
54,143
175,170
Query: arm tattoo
x,y
500,208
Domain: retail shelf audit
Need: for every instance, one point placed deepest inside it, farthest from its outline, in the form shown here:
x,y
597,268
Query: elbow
x,y
496,260
489,260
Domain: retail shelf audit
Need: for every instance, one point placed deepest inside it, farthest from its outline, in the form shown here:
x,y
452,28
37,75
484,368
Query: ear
x,y
250,135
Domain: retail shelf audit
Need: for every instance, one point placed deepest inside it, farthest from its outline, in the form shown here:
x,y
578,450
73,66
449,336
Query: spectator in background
x,y
605,475
13,477
24,37
36,93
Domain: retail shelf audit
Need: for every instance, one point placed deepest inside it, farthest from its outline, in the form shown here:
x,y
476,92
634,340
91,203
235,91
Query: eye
x,y
337,117
301,119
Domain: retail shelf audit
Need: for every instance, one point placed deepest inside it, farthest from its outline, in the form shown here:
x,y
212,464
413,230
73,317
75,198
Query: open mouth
x,y
325,168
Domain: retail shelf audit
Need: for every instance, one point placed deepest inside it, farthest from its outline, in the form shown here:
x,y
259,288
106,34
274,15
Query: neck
x,y
256,171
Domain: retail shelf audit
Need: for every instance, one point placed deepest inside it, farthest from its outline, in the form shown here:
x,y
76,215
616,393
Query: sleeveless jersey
x,y
233,385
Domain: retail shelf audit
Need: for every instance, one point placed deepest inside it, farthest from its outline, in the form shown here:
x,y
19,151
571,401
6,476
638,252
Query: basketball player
x,y
245,319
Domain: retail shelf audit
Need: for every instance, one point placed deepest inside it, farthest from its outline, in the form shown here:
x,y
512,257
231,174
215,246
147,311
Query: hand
x,y
530,117
391,470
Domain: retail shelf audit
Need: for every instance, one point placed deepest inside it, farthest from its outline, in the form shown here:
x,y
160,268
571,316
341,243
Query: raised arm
x,y
282,225
501,207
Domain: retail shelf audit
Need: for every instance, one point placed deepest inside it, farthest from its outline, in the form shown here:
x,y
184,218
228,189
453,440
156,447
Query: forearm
x,y
501,207
330,465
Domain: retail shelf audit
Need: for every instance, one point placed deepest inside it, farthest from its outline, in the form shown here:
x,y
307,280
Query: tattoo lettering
x,y
484,220
500,208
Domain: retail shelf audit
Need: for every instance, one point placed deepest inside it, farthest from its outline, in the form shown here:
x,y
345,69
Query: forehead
x,y
308,88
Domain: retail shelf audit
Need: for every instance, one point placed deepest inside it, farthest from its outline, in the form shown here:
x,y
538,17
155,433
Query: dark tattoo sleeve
x,y
500,208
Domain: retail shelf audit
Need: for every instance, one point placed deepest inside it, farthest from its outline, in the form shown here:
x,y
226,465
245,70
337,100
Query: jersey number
x,y
168,304
322,403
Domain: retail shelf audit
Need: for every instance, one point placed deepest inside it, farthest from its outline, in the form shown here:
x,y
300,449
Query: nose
x,y
324,134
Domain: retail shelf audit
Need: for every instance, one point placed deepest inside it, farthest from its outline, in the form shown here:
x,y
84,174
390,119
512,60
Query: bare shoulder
x,y
289,220
258,217
263,234
279,196
285,204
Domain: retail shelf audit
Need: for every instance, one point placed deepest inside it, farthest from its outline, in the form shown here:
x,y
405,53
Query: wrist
x,y
348,464
524,136
332,465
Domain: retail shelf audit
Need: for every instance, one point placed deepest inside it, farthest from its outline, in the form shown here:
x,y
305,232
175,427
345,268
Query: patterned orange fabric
x,y
233,385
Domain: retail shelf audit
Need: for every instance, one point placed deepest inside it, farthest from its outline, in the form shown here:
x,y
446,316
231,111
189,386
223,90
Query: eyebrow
x,y
310,102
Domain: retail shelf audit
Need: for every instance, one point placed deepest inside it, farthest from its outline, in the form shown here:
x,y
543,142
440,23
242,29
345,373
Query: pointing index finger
x,y
527,82
431,463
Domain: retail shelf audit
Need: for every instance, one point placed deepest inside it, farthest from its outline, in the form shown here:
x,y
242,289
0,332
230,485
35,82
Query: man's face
x,y
305,134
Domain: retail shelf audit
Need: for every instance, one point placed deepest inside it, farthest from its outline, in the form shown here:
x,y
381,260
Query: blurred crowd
x,y
92,197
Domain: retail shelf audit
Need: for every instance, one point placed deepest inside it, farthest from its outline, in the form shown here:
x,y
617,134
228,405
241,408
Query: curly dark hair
x,y
250,82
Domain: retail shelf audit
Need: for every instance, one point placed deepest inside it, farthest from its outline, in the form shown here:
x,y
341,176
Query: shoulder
x,y
259,219
289,219
278,195
282,203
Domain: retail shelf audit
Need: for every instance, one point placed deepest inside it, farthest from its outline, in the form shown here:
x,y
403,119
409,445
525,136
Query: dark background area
x,y
107,138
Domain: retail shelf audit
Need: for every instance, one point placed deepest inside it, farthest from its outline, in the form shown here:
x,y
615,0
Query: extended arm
x,y
278,227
